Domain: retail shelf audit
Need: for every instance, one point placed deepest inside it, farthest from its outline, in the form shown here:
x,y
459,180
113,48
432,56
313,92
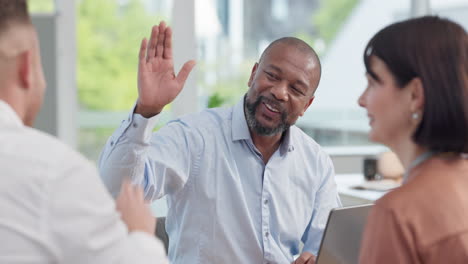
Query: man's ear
x,y
24,69
416,95
252,74
307,105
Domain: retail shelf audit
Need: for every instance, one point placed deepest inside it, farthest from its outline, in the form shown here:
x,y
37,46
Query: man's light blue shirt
x,y
225,205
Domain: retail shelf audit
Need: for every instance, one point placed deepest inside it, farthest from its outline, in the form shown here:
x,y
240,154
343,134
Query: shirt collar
x,y
240,130
286,144
8,115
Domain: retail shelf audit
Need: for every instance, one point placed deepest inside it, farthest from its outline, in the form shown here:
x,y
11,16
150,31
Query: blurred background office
x,y
90,49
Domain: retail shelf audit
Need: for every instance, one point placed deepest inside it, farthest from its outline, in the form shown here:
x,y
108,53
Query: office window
x,y
41,6
456,10
109,33
231,34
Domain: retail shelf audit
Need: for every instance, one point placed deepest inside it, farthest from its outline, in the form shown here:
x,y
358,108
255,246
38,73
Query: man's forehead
x,y
298,62
286,51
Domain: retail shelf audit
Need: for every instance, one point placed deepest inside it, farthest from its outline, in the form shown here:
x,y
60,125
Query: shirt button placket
x,y
265,217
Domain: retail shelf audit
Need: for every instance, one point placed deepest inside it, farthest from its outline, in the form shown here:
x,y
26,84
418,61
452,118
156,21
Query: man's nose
x,y
280,91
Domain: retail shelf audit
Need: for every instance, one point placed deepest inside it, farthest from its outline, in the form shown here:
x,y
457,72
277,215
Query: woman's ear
x,y
417,95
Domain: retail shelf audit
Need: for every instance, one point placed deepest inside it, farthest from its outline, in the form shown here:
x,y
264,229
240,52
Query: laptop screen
x,y
341,240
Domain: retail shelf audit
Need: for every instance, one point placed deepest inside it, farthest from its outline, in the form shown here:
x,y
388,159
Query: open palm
x,y
157,83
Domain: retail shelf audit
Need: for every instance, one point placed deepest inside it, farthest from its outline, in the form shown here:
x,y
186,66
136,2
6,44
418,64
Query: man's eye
x,y
270,75
296,90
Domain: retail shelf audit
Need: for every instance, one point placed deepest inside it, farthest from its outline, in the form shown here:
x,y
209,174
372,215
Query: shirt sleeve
x,y
125,151
384,240
160,162
326,198
84,226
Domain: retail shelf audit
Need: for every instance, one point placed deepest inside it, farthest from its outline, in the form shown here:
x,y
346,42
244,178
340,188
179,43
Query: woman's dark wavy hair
x,y
435,50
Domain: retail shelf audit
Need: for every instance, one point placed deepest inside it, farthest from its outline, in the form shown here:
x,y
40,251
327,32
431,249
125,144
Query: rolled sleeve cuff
x,y
141,127
137,127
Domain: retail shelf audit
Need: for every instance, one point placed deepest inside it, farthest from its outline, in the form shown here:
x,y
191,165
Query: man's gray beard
x,y
258,128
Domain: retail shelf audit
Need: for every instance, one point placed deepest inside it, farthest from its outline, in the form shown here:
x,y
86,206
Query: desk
x,y
351,196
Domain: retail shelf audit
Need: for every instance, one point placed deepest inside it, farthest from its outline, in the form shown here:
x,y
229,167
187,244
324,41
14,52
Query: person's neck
x,y
267,145
407,152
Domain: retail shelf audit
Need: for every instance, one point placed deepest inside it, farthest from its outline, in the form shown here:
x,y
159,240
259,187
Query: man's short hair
x,y
295,42
13,11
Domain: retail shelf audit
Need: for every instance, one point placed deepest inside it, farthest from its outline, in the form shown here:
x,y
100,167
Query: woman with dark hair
x,y
417,103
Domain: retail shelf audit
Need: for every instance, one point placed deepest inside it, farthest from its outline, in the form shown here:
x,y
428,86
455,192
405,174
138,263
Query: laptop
x,y
341,240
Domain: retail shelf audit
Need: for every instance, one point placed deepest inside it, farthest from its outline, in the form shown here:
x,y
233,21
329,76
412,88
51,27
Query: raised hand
x,y
157,83
134,211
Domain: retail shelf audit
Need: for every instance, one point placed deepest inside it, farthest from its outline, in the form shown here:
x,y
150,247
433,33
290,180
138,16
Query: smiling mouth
x,y
271,108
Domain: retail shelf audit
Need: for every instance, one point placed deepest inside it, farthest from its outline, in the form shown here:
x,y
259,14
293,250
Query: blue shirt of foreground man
x,y
243,184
